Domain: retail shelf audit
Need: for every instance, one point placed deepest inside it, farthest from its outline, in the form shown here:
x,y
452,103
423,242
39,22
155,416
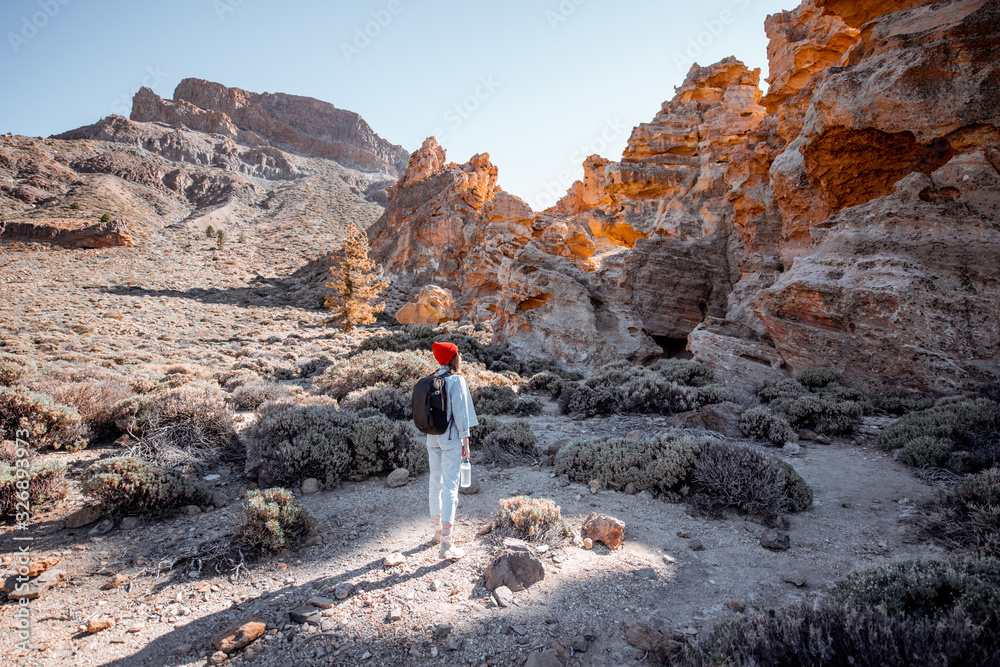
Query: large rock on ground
x,y
516,568
432,306
604,528
69,232
239,634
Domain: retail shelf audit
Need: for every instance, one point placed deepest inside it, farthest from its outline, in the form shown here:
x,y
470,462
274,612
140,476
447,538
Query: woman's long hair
x,y
456,364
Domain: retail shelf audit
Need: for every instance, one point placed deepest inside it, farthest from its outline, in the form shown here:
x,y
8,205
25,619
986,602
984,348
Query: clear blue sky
x,y
538,84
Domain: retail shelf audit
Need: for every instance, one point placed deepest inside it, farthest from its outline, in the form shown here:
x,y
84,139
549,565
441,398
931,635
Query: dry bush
x,y
660,465
14,368
494,400
297,442
972,428
684,371
375,367
826,634
816,378
503,442
132,486
969,522
735,477
530,519
669,385
762,424
42,421
251,395
237,377
46,484
927,589
189,425
389,401
92,391
274,520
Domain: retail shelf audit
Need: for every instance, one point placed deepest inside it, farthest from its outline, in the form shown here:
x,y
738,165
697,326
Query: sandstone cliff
x,y
848,219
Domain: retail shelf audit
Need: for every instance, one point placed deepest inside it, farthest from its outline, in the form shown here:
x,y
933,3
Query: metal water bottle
x,y
466,473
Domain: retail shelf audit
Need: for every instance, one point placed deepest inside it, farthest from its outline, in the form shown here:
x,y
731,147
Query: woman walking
x,y
446,451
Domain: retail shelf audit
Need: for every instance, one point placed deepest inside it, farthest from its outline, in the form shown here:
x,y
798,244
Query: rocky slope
x,y
847,219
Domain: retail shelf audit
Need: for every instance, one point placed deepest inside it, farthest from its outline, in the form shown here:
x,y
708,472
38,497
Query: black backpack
x,y
430,405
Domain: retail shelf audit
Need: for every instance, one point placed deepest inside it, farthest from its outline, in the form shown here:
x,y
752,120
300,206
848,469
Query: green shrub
x,y
969,522
298,442
660,464
106,217
721,393
493,400
988,390
797,490
971,427
684,371
760,423
815,378
389,401
896,401
46,422
274,520
132,486
816,412
251,395
788,389
14,368
826,634
928,589
45,483
530,519
926,451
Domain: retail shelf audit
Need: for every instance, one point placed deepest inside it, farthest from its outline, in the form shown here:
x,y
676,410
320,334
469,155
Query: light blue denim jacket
x,y
460,409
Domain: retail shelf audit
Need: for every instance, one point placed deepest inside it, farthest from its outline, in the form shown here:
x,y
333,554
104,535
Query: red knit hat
x,y
445,352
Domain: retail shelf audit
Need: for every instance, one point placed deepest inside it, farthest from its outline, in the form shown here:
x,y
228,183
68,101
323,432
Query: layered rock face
x,y
849,219
296,124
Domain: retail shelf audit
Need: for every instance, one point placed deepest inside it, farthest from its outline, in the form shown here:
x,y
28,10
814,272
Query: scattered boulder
x,y
394,559
343,590
432,306
395,614
546,658
398,477
239,634
129,523
606,529
503,596
516,568
217,658
321,602
775,540
192,510
32,589
117,580
796,579
95,625
442,630
103,528
310,486
723,418
84,516
40,565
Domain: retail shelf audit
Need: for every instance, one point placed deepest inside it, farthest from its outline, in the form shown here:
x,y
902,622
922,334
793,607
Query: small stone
x,y
683,534
630,489
594,486
645,495
313,541
238,635
39,565
503,596
129,523
116,581
442,630
310,486
396,613
343,590
95,625
305,614
394,559
634,435
217,658
31,590
696,545
775,540
219,499
516,568
604,528
436,585
103,528
791,448
580,644
321,602
520,630
795,578
192,510
398,477
588,543
564,481
646,573
454,645
182,649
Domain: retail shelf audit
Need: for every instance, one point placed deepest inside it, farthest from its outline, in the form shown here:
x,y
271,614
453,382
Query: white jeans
x,y
445,467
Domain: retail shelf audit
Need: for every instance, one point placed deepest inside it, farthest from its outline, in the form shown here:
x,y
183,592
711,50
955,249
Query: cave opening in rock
x,y
673,348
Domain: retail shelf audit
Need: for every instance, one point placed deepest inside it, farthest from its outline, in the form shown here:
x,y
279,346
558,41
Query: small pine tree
x,y
210,231
106,217
220,239
355,280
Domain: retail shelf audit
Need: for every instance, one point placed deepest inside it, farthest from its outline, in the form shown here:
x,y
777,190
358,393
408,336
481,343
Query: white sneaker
x,y
448,549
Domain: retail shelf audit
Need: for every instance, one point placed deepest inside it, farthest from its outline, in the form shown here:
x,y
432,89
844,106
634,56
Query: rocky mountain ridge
x,y
848,219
